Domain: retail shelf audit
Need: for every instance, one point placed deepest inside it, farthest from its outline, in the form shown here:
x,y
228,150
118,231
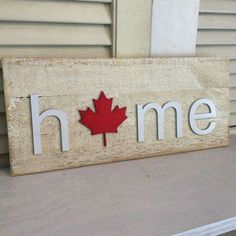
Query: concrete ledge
x,y
156,196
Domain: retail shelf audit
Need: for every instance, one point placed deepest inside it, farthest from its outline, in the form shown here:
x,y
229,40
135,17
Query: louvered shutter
x,y
217,37
30,28
55,28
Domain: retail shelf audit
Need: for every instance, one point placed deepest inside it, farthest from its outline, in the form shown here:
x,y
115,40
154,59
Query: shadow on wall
x,y
4,157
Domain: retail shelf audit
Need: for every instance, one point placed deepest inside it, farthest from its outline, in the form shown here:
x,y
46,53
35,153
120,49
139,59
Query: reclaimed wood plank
x,y
130,82
191,78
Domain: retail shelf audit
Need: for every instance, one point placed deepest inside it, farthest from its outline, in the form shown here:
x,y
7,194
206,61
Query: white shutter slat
x,y
55,11
232,119
217,5
220,37
233,106
217,50
232,66
233,93
55,51
217,21
233,80
53,34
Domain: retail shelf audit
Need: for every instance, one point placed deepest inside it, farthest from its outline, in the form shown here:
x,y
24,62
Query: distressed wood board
x,y
70,85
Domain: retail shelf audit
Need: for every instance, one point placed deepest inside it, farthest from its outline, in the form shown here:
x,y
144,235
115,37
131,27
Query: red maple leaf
x,y
103,120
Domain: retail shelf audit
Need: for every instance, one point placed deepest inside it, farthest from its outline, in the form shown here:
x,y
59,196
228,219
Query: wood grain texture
x,y
65,84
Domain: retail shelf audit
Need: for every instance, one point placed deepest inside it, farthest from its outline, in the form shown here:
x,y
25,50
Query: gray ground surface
x,y
154,196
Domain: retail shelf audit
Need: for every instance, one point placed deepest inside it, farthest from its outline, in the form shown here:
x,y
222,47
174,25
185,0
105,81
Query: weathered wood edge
x,y
120,160
122,61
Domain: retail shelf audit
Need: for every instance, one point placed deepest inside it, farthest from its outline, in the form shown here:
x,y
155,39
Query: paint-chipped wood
x,y
71,84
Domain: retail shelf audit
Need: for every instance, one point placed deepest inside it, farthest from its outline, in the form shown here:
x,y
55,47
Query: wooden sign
x,y
64,113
